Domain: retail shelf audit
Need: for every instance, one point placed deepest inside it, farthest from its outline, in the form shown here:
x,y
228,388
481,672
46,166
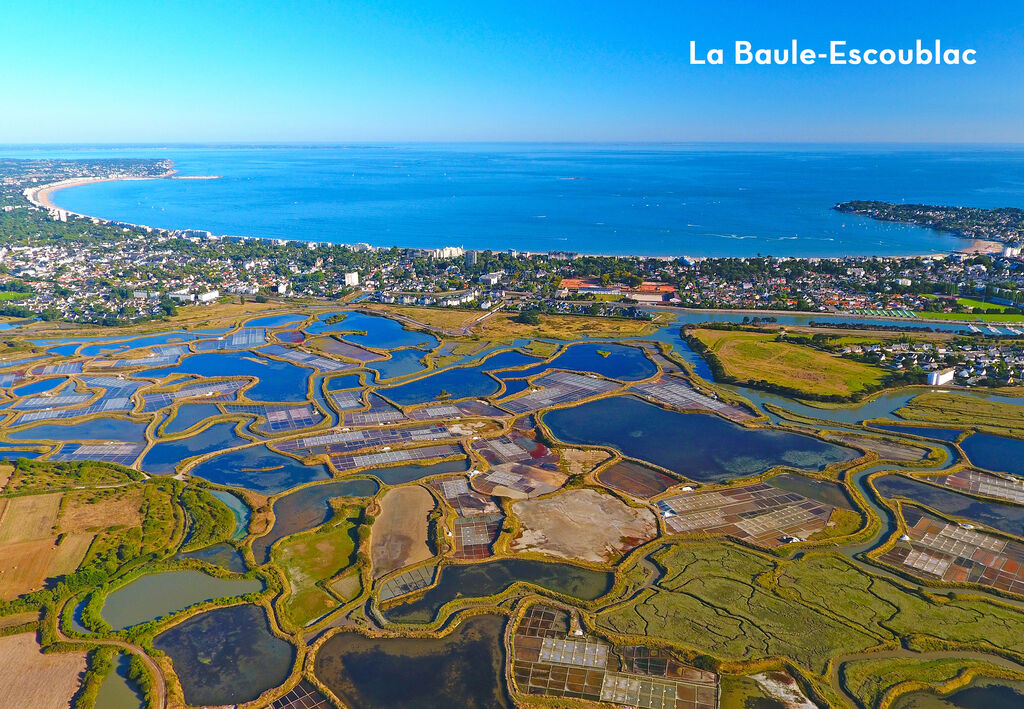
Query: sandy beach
x,y
40,196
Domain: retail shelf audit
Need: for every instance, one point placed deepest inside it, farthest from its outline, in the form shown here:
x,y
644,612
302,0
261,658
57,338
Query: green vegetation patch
x,y
310,560
871,680
759,357
948,409
210,520
39,476
738,605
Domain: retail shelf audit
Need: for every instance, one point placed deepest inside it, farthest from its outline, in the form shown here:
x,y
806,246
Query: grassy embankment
x,y
996,316
949,409
755,356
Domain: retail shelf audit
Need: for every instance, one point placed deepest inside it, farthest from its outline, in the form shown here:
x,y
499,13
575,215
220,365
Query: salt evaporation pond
x,y
156,595
259,469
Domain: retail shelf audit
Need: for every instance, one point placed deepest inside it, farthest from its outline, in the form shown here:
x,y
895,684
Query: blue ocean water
x,y
694,200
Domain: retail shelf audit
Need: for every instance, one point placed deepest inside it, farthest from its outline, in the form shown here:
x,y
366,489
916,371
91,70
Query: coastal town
x,y
60,266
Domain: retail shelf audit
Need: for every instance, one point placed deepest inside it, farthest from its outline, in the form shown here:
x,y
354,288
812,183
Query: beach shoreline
x,y
41,197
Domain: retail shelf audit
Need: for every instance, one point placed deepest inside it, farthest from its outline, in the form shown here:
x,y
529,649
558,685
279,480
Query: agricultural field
x,y
502,328
754,356
33,679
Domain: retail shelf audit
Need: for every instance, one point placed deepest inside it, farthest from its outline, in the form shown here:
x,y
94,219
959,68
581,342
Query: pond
x,y
260,469
493,577
223,555
156,595
111,345
463,383
464,669
272,322
996,453
941,434
117,691
100,429
278,380
980,694
882,406
382,333
305,509
401,474
9,454
1006,518
162,458
701,447
821,490
39,387
238,508
610,360
188,415
402,364
227,655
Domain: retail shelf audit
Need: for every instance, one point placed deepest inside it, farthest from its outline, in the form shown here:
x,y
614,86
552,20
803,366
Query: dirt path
x,y
159,683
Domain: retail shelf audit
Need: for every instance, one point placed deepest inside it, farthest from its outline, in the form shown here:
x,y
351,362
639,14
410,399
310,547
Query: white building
x,y
352,279
209,296
491,279
940,377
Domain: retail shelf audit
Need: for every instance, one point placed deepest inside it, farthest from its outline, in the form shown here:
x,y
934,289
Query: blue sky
x,y
216,70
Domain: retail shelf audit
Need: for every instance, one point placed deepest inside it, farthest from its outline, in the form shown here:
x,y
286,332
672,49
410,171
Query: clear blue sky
x,y
387,70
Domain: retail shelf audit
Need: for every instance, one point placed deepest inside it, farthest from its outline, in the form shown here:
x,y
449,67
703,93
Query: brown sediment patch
x,y
886,449
582,524
399,535
32,679
6,471
636,479
580,461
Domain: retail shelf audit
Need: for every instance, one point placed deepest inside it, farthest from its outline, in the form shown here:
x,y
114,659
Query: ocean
x,y
660,200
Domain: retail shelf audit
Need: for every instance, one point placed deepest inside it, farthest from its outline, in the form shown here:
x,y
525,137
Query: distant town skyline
x,y
402,71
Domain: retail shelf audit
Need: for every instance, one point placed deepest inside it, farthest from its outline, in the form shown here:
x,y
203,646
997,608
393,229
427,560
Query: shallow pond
x,y
940,434
260,469
882,406
1006,518
39,387
464,669
117,691
305,509
345,381
188,416
272,322
101,429
7,454
382,333
223,555
278,380
109,345
701,447
402,364
614,361
1005,455
457,383
238,508
156,595
227,655
402,474
821,490
163,457
980,694
494,577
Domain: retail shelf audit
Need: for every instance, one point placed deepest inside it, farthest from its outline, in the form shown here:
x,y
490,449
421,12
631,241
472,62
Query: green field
x,y
972,303
949,409
311,559
756,356
738,605
870,680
